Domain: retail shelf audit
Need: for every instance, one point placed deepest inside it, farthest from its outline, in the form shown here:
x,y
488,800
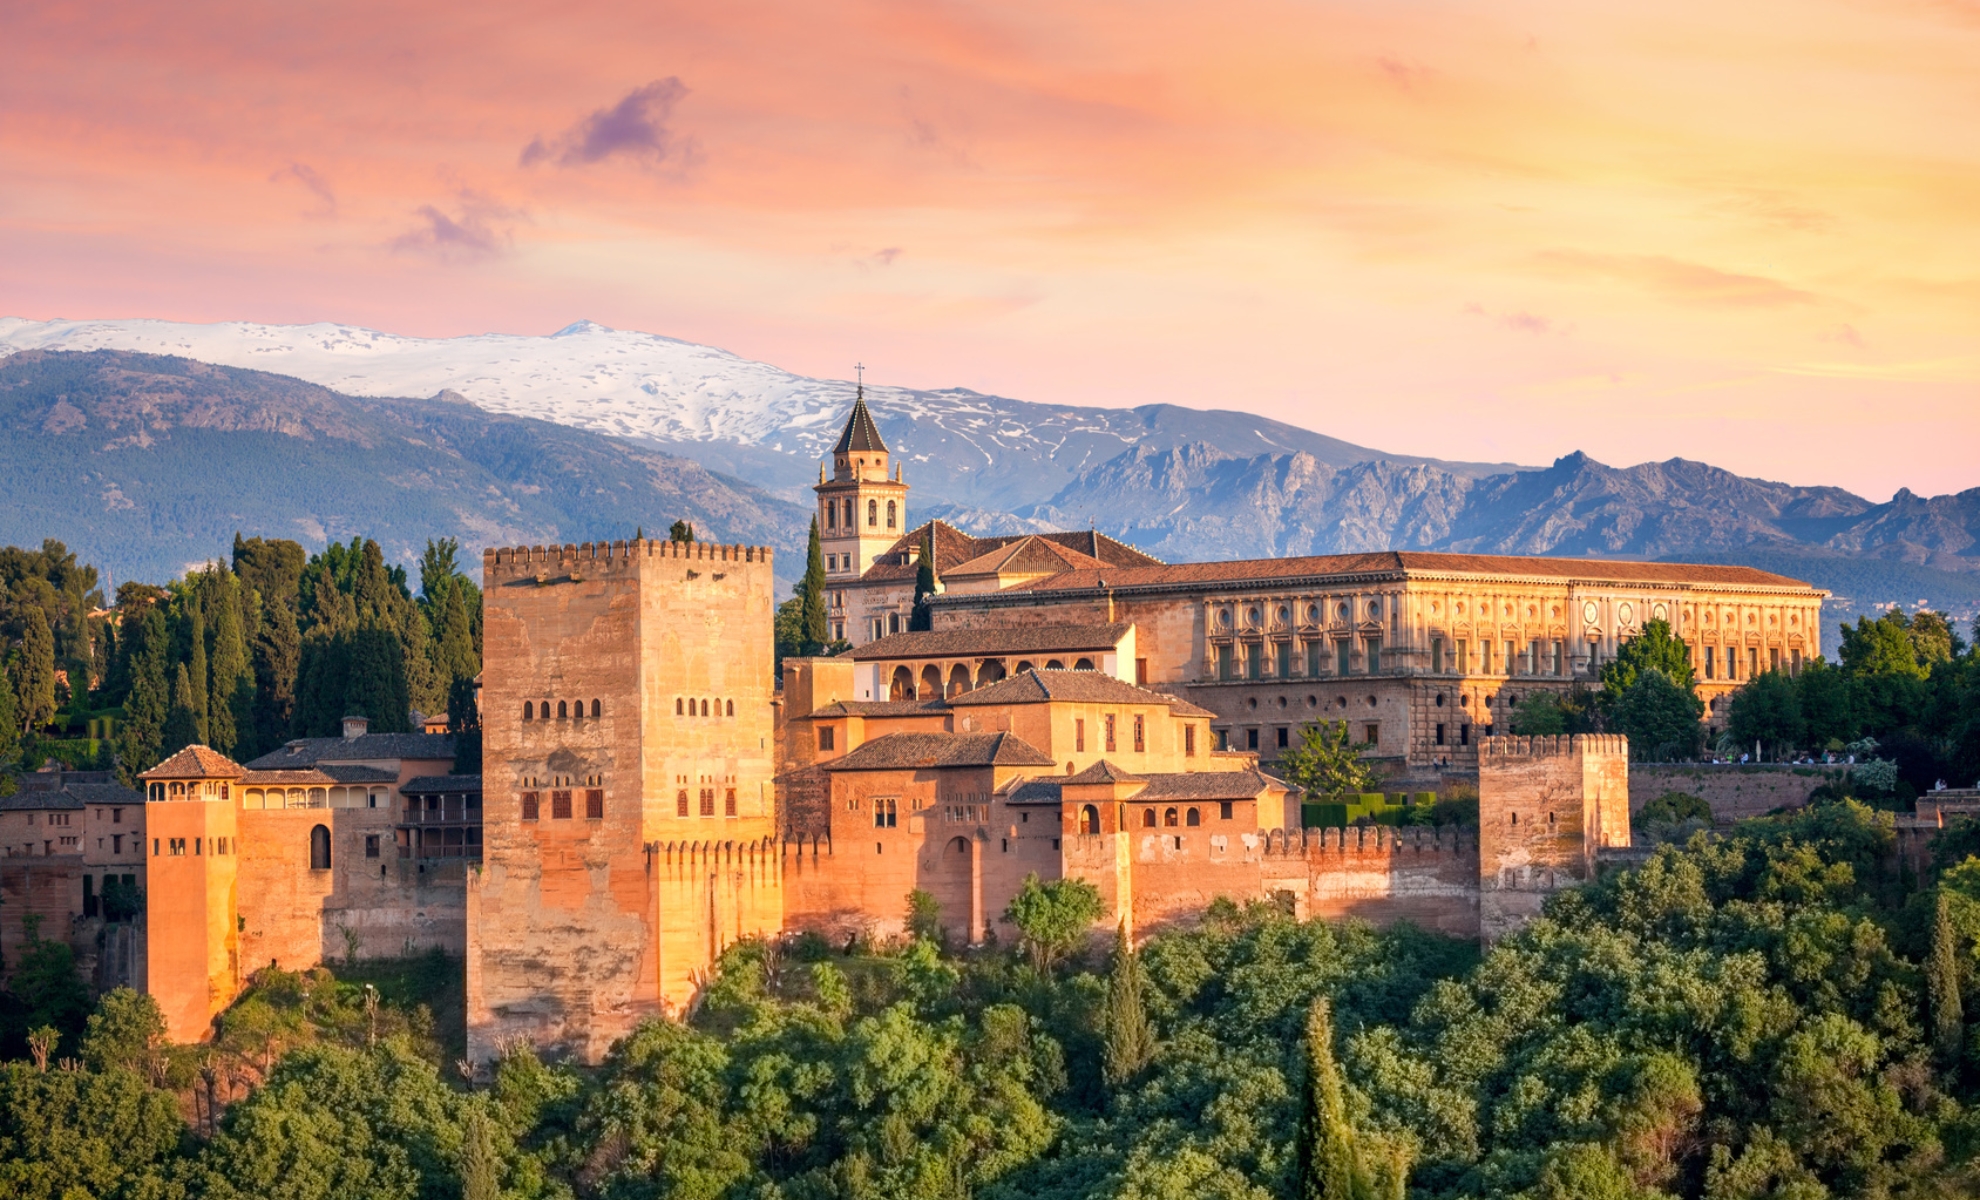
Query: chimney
x,y
355,727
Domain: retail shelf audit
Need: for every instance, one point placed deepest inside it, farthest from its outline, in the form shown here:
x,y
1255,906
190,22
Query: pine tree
x,y
812,590
140,740
480,1168
683,531
924,583
34,673
1328,1166
181,722
1942,979
1130,1036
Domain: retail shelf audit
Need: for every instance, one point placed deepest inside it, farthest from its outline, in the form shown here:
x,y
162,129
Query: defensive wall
x,y
1735,791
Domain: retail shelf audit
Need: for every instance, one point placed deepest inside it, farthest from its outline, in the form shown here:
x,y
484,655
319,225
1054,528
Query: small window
x,y
597,709
1189,741
560,805
729,804
319,848
1107,726
826,738
704,708
1079,735
1169,817
707,802
371,845
731,706
677,707
1285,735
890,514
1192,818
1251,739
1089,819
1224,810
594,804
561,714
681,803
873,512
529,711
1140,740
530,802
1148,818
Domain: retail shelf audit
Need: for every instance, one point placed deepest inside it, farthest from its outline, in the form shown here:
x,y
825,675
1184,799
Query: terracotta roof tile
x,y
1027,555
446,784
954,548
1023,639
1034,791
308,752
860,432
1103,772
195,762
1085,687
882,708
908,751
1205,785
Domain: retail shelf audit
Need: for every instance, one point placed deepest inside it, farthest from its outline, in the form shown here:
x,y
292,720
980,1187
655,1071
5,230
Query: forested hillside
x,y
1779,1011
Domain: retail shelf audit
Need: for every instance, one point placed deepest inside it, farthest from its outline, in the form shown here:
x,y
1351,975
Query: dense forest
x,y
1778,1010
241,653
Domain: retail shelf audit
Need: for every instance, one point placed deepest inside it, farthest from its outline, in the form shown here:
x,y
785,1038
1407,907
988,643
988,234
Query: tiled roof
x,y
443,784
308,752
906,751
1019,639
1103,772
326,774
1406,562
38,801
1034,791
860,432
1081,687
104,793
955,548
883,708
1027,555
1204,785
195,762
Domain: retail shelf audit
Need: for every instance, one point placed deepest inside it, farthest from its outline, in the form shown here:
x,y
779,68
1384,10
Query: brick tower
x,y
628,823
1546,807
192,963
862,511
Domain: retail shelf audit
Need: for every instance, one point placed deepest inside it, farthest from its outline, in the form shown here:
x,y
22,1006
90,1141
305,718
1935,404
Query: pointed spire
x,y
861,434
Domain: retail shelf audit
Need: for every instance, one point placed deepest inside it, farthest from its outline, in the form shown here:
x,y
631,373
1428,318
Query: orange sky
x,y
1747,233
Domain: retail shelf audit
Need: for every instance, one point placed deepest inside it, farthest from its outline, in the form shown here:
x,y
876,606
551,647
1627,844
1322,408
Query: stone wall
x,y
1546,806
1734,791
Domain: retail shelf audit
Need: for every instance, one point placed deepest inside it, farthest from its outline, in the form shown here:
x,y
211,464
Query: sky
x,y
1744,233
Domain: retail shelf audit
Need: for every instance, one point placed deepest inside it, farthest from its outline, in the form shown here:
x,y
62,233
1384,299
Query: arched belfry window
x,y
831,515
849,512
890,514
319,848
873,512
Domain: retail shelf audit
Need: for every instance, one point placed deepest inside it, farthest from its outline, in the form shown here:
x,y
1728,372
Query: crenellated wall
x,y
1546,807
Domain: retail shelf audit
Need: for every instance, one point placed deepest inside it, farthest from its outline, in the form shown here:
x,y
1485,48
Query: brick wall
x,y
1734,792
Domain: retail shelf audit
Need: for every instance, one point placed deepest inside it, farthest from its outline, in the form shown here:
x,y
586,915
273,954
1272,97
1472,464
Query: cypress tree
x,y
10,725
277,658
1130,1037
464,722
374,682
228,707
34,673
1328,1169
683,531
181,722
811,589
141,739
1942,979
479,1165
196,664
924,583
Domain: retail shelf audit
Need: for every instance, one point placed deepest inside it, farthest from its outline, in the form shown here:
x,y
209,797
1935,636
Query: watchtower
x,y
1546,806
192,960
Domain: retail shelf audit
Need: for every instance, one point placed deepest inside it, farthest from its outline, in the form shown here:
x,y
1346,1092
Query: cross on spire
x,y
860,369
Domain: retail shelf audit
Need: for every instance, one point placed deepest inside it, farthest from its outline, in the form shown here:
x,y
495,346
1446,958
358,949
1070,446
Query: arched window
x,y
529,711
1054,665
1148,818
595,710
1192,818
561,714
1084,664
704,708
1089,819
849,512
1169,817
890,514
677,706
319,848
577,709
731,707
873,512
831,515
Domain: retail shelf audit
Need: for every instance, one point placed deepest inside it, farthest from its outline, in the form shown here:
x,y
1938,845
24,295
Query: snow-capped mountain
x,y
747,419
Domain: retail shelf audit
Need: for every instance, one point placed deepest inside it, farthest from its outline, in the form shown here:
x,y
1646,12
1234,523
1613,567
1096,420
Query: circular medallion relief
x,y
1661,613
1626,613
1313,612
1589,612
1285,614
1224,618
1346,612
1375,608
1252,616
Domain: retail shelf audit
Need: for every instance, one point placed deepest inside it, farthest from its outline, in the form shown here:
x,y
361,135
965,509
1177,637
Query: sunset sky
x,y
1746,232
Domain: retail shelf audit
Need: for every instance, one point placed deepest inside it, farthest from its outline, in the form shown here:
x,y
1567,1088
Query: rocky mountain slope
x,y
145,464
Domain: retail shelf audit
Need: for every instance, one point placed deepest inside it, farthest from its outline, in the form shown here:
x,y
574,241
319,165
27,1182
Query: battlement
x,y
509,562
1370,839
1562,746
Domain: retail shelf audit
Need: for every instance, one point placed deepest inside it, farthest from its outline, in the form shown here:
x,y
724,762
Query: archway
x,y
319,848
1054,664
1084,664
1089,819
990,672
931,682
902,687
958,679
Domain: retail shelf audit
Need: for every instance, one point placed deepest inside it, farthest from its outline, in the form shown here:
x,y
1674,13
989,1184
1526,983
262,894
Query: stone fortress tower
x,y
628,747
1547,808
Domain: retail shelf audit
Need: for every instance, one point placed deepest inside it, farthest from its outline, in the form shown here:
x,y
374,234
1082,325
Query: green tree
x,y
230,702
1655,648
924,916
1828,711
141,739
1327,761
1767,709
922,618
1053,917
681,531
1942,979
1553,714
811,591
1881,647
1659,716
126,1031
181,721
10,726
464,723
47,986
198,676
1129,1035
1329,1167
480,1167
34,673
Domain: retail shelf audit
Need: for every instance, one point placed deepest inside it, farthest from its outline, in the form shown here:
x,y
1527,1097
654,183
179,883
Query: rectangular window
x,y
1372,734
729,802
1484,658
1560,658
1079,735
1374,656
1224,670
1285,735
371,845
154,847
681,803
1189,741
1752,661
594,804
1254,661
1512,653
1440,734
1140,740
1794,668
560,806
117,814
707,799
1224,810
1464,735
1313,657
1285,660
530,802
1251,739
1341,652
825,736
1107,730
1141,672
1711,664
1732,662
1223,739
1436,656
1463,649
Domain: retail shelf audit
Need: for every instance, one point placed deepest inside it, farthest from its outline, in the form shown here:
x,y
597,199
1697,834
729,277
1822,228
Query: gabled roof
x,y
1085,687
195,762
317,776
909,751
1018,639
883,708
860,432
1205,785
1103,772
1026,556
308,752
954,547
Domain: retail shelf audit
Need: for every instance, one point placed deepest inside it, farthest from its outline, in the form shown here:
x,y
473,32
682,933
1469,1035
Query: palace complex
x,y
652,791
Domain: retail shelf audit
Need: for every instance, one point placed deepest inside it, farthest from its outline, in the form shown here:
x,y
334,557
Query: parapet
x,y
508,562
1561,746
1371,839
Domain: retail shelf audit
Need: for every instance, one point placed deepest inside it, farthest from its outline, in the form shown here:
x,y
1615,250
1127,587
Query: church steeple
x,y
862,508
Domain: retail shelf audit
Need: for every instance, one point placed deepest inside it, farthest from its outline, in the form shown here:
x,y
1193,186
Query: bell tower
x,y
862,508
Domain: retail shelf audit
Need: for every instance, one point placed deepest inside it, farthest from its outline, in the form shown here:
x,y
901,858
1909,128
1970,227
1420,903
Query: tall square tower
x,y
628,824
862,511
